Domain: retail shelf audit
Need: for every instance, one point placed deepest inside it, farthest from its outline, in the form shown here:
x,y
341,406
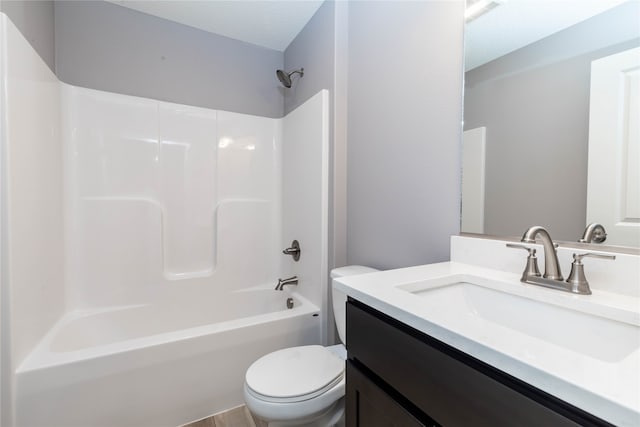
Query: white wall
x,y
32,226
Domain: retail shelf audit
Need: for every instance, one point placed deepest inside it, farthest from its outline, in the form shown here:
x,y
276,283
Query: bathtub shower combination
x,y
173,219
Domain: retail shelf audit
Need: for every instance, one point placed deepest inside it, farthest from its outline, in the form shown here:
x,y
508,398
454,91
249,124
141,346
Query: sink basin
x,y
469,300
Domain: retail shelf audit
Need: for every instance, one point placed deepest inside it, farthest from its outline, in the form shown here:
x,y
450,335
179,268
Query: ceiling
x,y
514,24
268,23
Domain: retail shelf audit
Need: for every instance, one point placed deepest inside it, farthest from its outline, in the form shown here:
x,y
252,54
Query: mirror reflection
x,y
552,135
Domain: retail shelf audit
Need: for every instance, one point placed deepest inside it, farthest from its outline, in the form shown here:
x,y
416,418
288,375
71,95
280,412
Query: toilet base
x,y
333,417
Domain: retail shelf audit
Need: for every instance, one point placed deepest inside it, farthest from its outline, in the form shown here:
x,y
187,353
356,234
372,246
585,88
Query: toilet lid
x,y
293,373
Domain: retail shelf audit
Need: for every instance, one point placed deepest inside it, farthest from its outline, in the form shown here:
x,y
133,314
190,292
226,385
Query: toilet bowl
x,y
303,386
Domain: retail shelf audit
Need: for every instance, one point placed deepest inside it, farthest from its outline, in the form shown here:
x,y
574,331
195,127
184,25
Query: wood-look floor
x,y
236,417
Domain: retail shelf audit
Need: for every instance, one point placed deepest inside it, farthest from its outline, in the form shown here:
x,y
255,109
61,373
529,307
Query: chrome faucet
x,y
593,233
576,283
551,264
293,280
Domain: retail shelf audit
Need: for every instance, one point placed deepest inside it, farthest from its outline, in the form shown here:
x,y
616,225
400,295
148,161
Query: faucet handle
x,y
531,269
528,248
577,279
532,251
577,258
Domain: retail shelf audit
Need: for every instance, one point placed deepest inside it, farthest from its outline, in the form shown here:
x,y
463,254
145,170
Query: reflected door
x,y
613,184
473,173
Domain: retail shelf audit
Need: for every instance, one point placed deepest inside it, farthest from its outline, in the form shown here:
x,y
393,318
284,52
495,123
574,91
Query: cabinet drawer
x,y
440,381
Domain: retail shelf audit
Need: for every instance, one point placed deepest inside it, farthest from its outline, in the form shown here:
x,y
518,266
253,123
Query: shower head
x,y
285,78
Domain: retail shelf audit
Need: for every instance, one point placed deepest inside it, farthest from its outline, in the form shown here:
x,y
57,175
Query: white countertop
x,y
607,387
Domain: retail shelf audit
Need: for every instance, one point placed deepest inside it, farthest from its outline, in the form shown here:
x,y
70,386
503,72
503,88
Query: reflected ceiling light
x,y
225,142
477,8
178,143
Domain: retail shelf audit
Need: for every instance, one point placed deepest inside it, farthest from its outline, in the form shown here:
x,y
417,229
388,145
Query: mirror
x,y
527,119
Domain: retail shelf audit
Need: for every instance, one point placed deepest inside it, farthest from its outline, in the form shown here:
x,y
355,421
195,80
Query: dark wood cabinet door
x,y
370,406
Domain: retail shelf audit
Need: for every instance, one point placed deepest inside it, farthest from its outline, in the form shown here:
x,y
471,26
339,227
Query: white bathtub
x,y
156,365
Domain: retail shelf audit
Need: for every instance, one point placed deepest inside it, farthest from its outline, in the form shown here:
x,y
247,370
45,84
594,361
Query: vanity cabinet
x,y
399,376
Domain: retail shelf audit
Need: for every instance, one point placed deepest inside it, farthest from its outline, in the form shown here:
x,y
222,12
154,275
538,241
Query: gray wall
x,y
313,49
35,20
340,134
535,105
108,47
404,128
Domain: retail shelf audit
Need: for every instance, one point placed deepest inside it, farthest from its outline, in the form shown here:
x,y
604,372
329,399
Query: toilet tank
x,y
339,298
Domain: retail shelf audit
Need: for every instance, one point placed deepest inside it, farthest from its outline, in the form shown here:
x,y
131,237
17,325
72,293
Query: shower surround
x,y
141,242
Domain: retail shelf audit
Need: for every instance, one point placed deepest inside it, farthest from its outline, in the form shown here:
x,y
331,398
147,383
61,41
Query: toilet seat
x,y
294,374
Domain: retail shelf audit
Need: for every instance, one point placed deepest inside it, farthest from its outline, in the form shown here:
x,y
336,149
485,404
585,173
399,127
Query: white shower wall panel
x,y
160,195
305,197
31,232
246,249
187,188
248,213
249,161
117,252
114,142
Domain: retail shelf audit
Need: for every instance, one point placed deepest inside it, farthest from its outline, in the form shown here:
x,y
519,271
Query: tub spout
x,y
293,280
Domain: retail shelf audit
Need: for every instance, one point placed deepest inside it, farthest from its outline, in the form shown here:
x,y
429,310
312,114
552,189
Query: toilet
x,y
303,386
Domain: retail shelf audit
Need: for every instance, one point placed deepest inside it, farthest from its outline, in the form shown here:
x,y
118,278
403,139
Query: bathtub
x,y
159,364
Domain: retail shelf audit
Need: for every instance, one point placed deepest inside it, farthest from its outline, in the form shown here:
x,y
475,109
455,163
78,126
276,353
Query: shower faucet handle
x,y
294,250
